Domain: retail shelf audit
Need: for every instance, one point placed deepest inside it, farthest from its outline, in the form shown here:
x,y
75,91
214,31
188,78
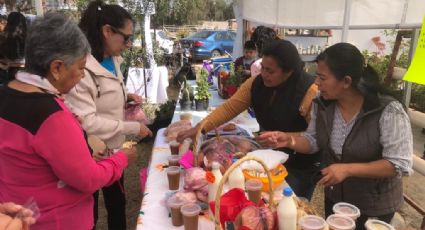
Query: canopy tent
x,y
344,15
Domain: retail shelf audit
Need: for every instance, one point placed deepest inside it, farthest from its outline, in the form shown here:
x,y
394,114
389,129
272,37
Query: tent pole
x,y
407,93
346,23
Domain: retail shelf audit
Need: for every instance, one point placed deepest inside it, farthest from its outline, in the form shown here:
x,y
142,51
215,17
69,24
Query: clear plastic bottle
x,y
287,211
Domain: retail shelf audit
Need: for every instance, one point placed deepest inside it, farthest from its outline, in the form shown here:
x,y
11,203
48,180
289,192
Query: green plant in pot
x,y
185,102
203,94
234,80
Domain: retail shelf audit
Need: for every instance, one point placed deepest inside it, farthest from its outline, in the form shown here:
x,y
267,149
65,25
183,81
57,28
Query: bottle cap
x,y
287,191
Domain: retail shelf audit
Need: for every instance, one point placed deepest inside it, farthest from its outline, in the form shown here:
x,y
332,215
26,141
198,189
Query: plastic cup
x,y
174,147
173,160
377,225
340,222
173,174
346,209
190,214
253,187
176,216
311,222
185,116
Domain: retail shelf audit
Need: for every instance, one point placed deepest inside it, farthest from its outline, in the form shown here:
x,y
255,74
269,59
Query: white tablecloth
x,y
157,83
153,213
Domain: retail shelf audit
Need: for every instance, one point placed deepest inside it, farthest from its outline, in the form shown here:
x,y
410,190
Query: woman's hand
x,y
15,217
334,174
131,154
134,97
190,133
144,131
274,139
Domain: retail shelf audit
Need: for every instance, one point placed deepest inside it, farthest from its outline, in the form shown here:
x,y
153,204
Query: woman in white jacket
x,y
100,98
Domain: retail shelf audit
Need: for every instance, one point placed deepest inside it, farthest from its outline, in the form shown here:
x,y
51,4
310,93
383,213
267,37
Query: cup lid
x,y
175,202
253,184
173,169
174,142
340,222
174,157
377,225
346,209
312,222
190,209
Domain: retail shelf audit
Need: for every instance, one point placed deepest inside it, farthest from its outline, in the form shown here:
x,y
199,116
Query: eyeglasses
x,y
127,37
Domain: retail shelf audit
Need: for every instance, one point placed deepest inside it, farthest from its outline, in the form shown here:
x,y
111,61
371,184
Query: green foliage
x,y
235,76
203,88
185,92
166,110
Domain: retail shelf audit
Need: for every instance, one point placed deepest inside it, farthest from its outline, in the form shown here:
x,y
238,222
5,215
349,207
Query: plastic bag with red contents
x,y
135,113
255,218
231,204
194,179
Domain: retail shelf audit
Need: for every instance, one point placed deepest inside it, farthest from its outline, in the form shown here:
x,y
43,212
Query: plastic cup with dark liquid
x,y
173,174
173,160
346,209
176,216
311,222
340,222
253,188
190,214
174,147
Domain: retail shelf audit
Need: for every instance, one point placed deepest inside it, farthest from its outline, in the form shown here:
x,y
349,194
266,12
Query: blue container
x,y
219,62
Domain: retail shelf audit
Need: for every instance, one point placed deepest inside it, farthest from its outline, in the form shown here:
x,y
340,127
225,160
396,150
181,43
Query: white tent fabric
x,y
330,13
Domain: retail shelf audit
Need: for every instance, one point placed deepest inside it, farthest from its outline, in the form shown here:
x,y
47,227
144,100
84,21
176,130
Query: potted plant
x,y
234,80
203,94
185,102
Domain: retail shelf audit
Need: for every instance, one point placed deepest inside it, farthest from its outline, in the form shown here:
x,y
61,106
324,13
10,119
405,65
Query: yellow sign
x,y
416,71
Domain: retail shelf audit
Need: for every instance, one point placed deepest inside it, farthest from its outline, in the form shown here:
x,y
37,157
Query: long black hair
x,y
285,54
344,59
12,45
95,17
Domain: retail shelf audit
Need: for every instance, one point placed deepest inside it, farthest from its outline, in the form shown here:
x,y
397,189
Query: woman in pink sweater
x,y
43,153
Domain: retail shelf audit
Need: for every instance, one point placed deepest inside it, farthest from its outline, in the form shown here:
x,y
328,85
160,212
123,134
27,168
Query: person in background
x,y
100,98
261,37
244,62
364,136
43,152
3,22
12,45
15,217
281,98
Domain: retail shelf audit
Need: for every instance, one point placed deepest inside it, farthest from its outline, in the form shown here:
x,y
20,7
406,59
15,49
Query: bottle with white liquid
x,y
287,211
212,187
236,179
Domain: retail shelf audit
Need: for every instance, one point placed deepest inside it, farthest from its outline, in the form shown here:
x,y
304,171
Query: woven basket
x,y
224,179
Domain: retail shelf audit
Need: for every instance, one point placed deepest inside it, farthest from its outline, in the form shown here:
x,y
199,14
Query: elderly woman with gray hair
x,y
43,153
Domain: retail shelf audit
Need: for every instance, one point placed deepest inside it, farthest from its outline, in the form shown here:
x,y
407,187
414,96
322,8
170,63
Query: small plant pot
x,y
185,105
231,89
201,105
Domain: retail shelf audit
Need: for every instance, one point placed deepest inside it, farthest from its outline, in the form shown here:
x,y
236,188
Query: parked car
x,y
164,42
209,43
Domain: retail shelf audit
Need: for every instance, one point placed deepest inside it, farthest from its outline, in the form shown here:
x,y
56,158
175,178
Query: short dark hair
x,y
95,17
344,59
285,54
261,36
250,45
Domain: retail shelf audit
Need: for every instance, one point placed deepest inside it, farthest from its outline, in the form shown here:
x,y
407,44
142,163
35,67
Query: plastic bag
x,y
255,218
194,179
135,113
270,157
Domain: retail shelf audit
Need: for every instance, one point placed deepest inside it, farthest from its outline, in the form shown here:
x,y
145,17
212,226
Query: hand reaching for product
x,y
274,139
144,131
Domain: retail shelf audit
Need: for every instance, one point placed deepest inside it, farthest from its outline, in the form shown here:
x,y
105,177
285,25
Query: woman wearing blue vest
x,y
364,136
